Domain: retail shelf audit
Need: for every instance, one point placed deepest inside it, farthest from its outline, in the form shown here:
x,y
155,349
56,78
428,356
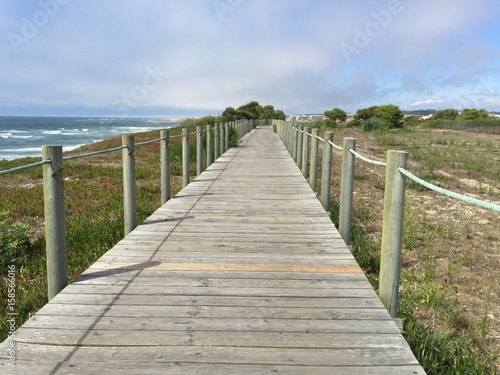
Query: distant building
x,y
306,118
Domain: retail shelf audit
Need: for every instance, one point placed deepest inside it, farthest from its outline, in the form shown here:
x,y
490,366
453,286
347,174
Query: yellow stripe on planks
x,y
160,266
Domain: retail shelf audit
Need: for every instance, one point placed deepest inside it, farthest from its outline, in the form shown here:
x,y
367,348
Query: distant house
x,y
306,118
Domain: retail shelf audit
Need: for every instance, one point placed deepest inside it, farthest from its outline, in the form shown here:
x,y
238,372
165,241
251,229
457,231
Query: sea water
x,y
25,136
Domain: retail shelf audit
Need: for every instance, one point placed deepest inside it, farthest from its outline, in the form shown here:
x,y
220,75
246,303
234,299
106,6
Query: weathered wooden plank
x,y
271,250
221,354
181,262
216,291
161,300
177,368
213,324
145,272
205,338
247,266
305,313
196,280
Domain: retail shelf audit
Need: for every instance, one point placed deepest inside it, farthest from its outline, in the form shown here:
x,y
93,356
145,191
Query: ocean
x,y
24,136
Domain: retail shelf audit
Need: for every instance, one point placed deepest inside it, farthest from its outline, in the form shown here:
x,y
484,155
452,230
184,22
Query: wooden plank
x,y
213,324
54,309
188,300
195,280
181,368
246,264
216,291
245,267
316,277
205,338
220,354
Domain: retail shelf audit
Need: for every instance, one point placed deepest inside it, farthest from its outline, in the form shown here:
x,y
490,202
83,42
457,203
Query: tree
x,y
389,113
229,114
279,115
251,111
268,112
336,114
365,113
445,114
474,114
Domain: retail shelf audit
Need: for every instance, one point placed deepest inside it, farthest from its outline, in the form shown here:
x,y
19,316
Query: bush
x,y
374,123
15,243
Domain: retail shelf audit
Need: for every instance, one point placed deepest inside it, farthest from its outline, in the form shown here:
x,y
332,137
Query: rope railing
x,y
394,191
149,142
81,156
52,163
24,167
335,146
449,193
367,160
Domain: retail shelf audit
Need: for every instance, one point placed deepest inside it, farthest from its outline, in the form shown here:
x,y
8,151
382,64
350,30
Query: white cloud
x,y
427,102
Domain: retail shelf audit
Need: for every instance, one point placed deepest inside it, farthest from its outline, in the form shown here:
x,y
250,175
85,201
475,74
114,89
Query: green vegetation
x,y
387,116
374,123
474,114
252,111
446,114
470,119
335,115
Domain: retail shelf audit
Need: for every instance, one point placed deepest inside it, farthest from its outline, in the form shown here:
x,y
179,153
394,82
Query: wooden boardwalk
x,y
241,273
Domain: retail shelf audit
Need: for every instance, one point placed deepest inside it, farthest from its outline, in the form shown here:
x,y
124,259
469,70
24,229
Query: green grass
x,y
364,248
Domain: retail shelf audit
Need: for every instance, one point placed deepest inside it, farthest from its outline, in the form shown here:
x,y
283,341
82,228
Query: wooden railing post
x,y
210,159
305,153
285,129
129,188
55,220
222,138
295,141
313,170
226,140
392,231
199,150
326,173
185,156
165,166
346,189
216,142
299,146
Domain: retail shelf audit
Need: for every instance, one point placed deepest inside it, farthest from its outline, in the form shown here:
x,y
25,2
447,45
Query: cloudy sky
x,y
167,58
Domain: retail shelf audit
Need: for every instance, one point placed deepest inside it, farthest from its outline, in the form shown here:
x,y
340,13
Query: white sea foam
x,y
72,147
21,138
27,149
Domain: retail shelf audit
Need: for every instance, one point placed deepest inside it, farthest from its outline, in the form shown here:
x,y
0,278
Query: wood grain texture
x,y
242,272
